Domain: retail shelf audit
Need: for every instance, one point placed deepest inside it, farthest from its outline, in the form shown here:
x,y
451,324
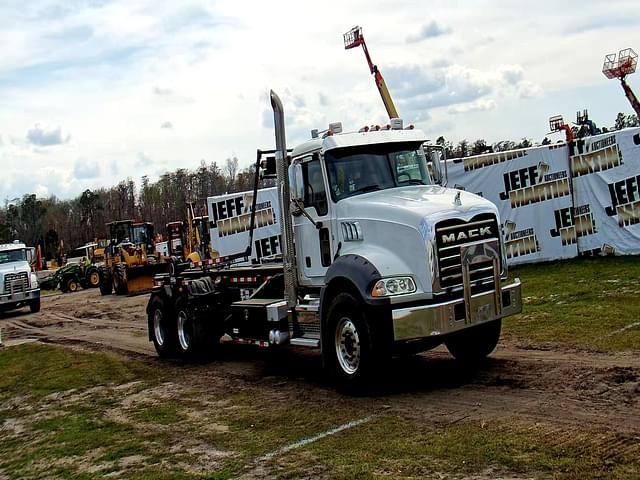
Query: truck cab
x,y
18,284
347,183
369,219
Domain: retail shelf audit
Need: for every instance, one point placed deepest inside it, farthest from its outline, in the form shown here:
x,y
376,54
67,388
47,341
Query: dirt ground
x,y
568,388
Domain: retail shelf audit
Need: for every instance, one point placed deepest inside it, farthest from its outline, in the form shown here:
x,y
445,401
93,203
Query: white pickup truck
x,y
18,284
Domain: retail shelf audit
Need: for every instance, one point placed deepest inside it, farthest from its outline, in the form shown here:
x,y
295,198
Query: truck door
x,y
314,246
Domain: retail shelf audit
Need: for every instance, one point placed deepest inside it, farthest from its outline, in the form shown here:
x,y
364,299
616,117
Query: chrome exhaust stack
x,y
282,172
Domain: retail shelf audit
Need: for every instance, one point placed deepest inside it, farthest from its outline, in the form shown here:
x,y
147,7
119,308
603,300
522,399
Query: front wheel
x,y
161,329
348,349
106,285
34,305
71,285
474,344
119,276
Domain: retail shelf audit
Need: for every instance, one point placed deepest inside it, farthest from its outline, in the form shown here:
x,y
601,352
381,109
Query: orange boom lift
x,y
619,68
353,38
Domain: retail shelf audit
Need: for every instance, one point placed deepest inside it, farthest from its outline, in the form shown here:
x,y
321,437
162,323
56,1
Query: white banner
x,y
230,220
606,171
532,190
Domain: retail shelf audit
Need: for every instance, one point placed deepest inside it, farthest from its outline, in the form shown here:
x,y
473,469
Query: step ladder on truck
x,y
375,258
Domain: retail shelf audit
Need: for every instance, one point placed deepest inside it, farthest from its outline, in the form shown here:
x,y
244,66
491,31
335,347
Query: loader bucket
x,y
140,278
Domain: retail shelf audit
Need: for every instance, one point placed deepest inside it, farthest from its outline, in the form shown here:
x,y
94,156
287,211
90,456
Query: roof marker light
x,y
336,127
397,124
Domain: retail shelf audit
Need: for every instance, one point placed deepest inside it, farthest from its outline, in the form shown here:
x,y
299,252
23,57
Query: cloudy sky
x,y
95,91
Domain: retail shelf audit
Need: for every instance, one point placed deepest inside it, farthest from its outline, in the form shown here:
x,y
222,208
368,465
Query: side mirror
x,y
31,254
296,180
435,156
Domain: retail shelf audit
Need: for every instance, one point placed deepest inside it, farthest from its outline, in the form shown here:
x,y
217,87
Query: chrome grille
x,y
16,282
453,233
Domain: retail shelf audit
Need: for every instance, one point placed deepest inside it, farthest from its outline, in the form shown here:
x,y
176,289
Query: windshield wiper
x,y
413,181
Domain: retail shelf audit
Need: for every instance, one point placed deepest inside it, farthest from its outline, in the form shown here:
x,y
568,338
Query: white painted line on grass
x,y
623,329
307,441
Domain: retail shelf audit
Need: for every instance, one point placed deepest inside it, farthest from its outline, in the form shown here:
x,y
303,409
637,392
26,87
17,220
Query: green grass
x,y
81,427
582,303
165,414
65,435
397,448
169,419
39,370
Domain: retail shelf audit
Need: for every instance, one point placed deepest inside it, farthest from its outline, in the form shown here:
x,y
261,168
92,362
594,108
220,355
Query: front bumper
x,y
443,318
19,297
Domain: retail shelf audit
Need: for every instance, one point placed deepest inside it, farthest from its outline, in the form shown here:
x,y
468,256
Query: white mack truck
x,y
376,260
18,284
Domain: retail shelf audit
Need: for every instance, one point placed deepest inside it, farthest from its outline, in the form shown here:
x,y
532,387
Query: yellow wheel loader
x,y
130,260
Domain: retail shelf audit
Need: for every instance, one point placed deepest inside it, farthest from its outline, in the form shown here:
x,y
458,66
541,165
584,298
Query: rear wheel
x,y
348,349
191,332
474,344
92,277
161,328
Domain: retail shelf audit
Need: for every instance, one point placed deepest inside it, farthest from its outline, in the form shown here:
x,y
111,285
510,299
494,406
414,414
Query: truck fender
x,y
354,274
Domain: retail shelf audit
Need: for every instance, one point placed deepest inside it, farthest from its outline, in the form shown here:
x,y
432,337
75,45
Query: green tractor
x,y
72,276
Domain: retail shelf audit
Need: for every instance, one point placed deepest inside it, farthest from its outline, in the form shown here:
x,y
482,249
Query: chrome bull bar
x,y
446,317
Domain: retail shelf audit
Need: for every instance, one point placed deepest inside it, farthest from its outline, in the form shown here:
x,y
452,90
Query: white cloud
x,y
110,72
477,106
44,137
528,89
143,160
85,169
428,30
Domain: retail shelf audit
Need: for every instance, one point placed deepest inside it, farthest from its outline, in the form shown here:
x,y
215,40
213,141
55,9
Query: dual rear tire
x,y
177,333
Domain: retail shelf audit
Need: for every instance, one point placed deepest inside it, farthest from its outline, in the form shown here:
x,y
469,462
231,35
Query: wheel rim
x,y
158,329
183,334
73,287
94,278
347,344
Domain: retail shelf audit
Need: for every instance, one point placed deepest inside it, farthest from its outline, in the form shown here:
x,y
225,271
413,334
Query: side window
x,y
408,166
314,192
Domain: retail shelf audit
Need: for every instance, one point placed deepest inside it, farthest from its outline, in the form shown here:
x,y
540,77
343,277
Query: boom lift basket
x,y
353,38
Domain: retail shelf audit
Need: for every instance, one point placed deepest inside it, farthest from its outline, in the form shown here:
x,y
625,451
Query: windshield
x,y
9,256
375,167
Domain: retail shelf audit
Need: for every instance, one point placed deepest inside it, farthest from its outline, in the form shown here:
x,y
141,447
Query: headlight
x,y
34,280
388,287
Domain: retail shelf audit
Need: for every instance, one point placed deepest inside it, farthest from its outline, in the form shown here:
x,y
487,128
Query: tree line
x,y
52,222
466,148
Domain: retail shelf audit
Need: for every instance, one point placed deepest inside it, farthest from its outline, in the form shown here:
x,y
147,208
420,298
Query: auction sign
x,y
606,183
230,222
532,190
